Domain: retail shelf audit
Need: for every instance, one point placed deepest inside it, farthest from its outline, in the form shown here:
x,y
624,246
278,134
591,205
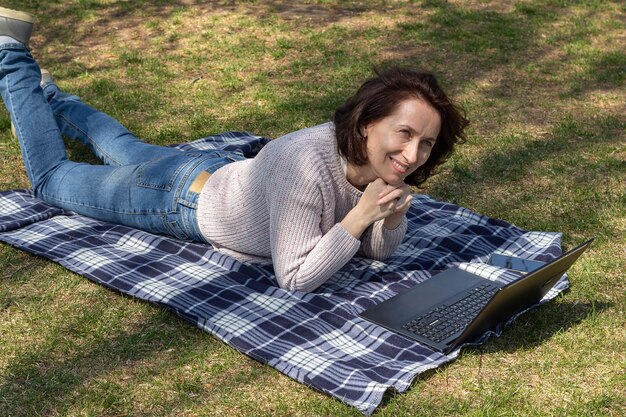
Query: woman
x,y
308,202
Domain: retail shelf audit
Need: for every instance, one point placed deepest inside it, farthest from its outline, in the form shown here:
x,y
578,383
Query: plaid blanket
x,y
317,338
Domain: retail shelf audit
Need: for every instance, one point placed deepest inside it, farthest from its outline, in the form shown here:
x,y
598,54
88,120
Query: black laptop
x,y
456,306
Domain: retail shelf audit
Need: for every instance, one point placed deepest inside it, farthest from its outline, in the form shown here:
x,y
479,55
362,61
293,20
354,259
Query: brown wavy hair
x,y
379,97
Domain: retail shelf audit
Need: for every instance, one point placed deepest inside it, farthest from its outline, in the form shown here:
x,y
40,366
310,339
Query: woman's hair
x,y
379,97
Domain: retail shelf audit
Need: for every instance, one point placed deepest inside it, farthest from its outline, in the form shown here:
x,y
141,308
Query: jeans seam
x,y
188,166
185,228
185,221
188,229
170,180
14,45
178,232
92,142
138,213
18,130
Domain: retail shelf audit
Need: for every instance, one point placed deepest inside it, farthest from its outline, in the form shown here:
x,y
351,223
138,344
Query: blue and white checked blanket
x,y
316,338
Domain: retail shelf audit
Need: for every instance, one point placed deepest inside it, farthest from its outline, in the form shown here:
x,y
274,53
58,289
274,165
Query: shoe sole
x,y
17,15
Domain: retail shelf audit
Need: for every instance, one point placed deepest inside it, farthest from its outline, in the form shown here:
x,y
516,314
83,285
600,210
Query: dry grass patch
x,y
500,6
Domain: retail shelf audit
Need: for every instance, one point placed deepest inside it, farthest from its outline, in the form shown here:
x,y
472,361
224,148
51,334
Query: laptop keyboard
x,y
442,322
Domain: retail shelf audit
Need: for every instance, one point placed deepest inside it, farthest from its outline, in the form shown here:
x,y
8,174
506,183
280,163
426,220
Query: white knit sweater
x,y
284,206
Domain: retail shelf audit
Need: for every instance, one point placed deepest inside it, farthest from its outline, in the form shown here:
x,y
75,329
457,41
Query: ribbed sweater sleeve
x,y
303,256
379,243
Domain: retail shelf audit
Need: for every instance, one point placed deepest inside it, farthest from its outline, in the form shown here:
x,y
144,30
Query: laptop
x,y
456,307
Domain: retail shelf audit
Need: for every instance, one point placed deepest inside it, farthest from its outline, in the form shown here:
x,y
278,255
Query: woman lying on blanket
x,y
308,202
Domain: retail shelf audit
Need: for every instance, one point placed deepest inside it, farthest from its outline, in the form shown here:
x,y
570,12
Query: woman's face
x,y
398,144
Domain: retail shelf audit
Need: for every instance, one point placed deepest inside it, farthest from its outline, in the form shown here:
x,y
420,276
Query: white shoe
x,y
46,77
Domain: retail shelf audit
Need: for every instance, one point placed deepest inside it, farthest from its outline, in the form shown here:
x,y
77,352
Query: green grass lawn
x,y
543,84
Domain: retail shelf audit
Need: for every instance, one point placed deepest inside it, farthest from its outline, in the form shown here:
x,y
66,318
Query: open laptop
x,y
456,306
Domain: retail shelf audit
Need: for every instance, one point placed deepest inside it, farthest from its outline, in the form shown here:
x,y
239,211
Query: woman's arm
x,y
304,257
379,242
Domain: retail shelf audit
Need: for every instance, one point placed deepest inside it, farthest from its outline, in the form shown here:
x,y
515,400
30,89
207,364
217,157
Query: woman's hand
x,y
379,201
400,196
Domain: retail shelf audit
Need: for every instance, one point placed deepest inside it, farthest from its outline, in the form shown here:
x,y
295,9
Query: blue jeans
x,y
141,185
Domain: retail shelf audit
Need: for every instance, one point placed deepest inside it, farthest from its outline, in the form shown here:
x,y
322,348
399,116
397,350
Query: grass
x,y
543,83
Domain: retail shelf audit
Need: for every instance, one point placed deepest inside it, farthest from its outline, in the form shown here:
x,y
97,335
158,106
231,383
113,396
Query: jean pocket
x,y
161,173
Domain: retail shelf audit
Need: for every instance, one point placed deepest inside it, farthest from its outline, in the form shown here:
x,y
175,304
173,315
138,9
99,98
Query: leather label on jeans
x,y
198,183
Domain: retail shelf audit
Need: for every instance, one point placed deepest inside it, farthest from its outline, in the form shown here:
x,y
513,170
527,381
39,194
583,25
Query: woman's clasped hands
x,y
379,201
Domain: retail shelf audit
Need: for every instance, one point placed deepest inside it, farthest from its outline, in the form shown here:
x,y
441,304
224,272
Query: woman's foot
x,y
46,77
16,25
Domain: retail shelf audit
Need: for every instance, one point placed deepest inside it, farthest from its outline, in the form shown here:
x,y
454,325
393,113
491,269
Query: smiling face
x,y
398,144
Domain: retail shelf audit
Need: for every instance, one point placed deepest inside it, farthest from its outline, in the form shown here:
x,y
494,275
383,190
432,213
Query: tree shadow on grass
x,y
49,378
462,42
463,45
539,325
40,381
553,168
